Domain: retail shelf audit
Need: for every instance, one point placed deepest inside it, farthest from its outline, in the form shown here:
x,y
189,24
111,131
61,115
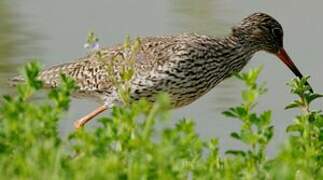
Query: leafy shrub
x,y
127,145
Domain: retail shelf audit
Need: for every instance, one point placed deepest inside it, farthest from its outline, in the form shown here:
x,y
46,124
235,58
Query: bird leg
x,y
81,122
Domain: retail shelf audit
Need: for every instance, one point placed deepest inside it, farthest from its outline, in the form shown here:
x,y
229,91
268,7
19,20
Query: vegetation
x,y
127,144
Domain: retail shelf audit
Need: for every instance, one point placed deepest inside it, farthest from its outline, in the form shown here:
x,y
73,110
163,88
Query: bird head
x,y
263,32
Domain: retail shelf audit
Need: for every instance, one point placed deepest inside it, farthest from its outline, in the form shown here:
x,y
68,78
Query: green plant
x,y
124,62
135,142
302,156
256,130
29,140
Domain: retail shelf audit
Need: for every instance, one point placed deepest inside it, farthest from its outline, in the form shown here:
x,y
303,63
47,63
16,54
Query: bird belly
x,y
180,91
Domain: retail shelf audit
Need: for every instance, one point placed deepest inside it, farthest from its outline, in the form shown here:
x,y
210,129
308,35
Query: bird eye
x,y
277,32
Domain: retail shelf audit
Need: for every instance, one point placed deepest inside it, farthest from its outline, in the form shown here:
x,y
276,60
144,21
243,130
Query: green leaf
x,y
236,112
254,119
229,113
295,104
248,137
266,118
236,153
249,95
269,133
235,135
312,97
295,128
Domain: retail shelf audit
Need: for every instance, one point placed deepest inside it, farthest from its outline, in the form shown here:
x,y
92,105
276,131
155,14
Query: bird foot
x,y
85,119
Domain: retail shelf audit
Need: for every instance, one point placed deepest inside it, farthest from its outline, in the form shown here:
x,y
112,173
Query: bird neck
x,y
243,41
233,49
228,55
239,44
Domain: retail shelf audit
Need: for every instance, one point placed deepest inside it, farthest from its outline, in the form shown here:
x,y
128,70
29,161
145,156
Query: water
x,y
55,31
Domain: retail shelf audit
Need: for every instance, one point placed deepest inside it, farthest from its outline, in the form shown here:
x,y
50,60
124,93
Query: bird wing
x,y
90,73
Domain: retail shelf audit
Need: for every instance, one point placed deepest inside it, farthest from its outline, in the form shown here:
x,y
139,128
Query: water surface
x,y
55,31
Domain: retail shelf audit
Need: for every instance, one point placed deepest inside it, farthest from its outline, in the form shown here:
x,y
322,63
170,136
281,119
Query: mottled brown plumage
x,y
186,66
173,64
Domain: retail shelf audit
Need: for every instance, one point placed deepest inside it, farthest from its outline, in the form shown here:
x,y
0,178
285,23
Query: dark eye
x,y
277,32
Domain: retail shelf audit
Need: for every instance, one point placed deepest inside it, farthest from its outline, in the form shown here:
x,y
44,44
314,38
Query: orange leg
x,y
81,122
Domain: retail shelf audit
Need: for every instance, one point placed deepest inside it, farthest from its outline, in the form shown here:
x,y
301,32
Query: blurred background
x,y
54,32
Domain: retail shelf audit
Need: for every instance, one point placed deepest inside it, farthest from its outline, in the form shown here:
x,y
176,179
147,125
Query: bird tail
x,y
49,76
16,80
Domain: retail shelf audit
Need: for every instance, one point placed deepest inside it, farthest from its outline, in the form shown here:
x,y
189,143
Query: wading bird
x,y
185,66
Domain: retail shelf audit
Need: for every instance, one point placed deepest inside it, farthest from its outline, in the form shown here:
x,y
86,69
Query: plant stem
x,y
150,121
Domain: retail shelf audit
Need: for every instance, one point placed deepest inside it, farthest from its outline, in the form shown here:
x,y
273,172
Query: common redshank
x,y
186,66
